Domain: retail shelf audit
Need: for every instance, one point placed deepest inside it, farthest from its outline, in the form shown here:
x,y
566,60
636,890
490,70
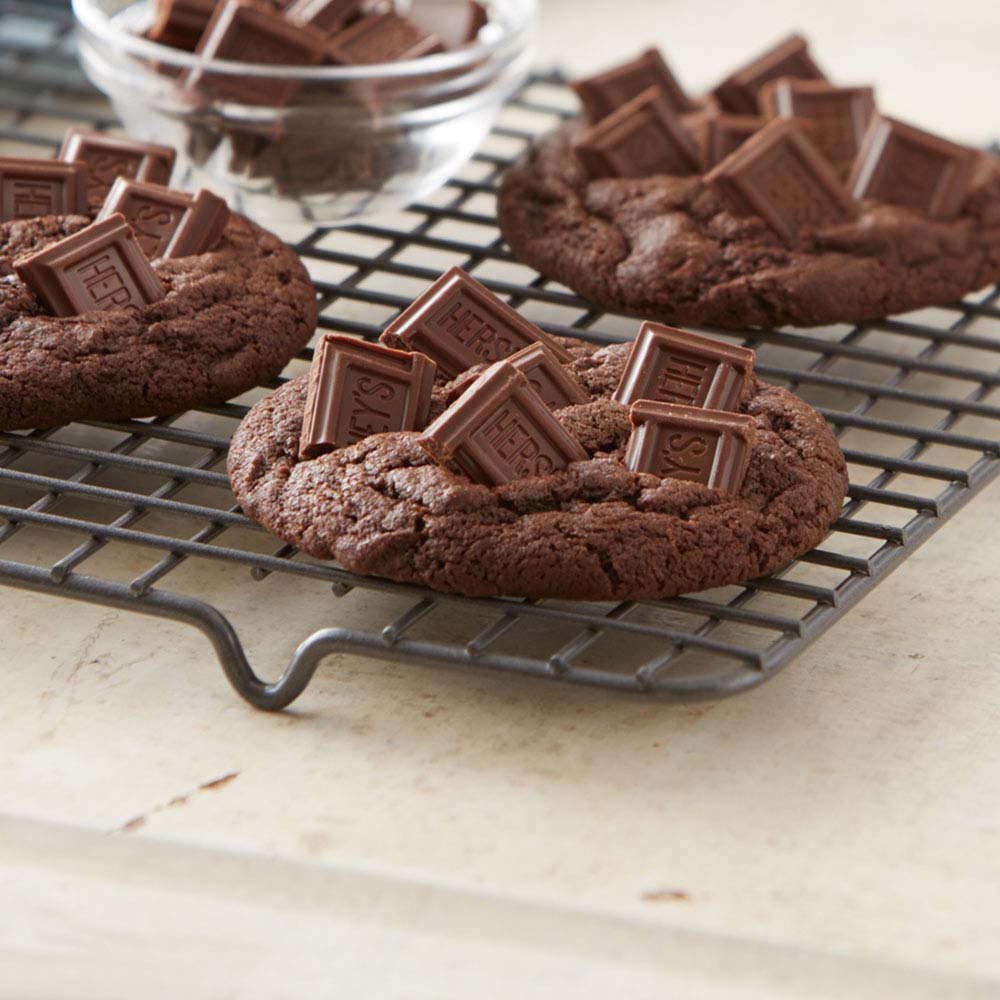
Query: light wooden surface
x,y
410,832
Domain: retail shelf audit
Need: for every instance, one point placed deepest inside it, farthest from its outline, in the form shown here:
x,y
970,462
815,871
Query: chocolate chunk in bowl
x,y
315,112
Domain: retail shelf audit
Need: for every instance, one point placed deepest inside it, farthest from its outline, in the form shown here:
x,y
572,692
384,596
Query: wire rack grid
x,y
138,515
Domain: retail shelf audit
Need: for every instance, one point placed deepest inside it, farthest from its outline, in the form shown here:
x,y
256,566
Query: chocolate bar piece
x,y
379,38
357,389
839,116
167,223
608,91
643,137
904,165
685,442
108,158
790,57
455,22
180,23
326,15
248,33
499,429
460,323
724,134
97,269
781,176
41,187
556,386
667,365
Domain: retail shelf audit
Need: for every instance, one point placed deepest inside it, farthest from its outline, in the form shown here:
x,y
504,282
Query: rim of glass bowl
x,y
516,32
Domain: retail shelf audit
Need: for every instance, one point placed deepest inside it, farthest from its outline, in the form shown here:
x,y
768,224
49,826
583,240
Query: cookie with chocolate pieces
x,y
796,219
503,496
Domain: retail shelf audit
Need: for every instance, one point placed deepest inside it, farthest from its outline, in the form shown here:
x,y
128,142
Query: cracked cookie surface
x,y
595,531
231,318
672,249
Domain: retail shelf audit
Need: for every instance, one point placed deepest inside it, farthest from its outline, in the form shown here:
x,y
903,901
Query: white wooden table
x,y
409,832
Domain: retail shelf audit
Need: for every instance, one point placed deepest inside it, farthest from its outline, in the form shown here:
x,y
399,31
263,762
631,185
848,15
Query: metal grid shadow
x,y
116,513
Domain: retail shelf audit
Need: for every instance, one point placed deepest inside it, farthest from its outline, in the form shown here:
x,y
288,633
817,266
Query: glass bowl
x,y
349,141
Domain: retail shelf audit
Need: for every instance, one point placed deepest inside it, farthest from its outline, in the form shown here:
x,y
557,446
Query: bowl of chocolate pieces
x,y
317,111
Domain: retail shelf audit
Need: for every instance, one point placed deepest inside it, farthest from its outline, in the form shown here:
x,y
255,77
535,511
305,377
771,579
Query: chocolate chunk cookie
x,y
230,319
594,531
673,248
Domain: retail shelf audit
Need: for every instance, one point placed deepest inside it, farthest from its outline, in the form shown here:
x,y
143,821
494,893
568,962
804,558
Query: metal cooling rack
x,y
137,515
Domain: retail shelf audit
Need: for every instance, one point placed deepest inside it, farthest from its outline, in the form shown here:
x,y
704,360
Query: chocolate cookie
x,y
230,319
594,531
674,248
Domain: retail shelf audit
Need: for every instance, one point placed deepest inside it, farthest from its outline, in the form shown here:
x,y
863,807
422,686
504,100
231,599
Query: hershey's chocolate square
x,y
667,365
455,22
684,442
499,429
247,33
98,269
724,134
108,158
460,323
326,15
556,386
377,38
779,175
643,137
357,389
606,92
904,165
180,23
29,188
167,223
838,116
790,57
